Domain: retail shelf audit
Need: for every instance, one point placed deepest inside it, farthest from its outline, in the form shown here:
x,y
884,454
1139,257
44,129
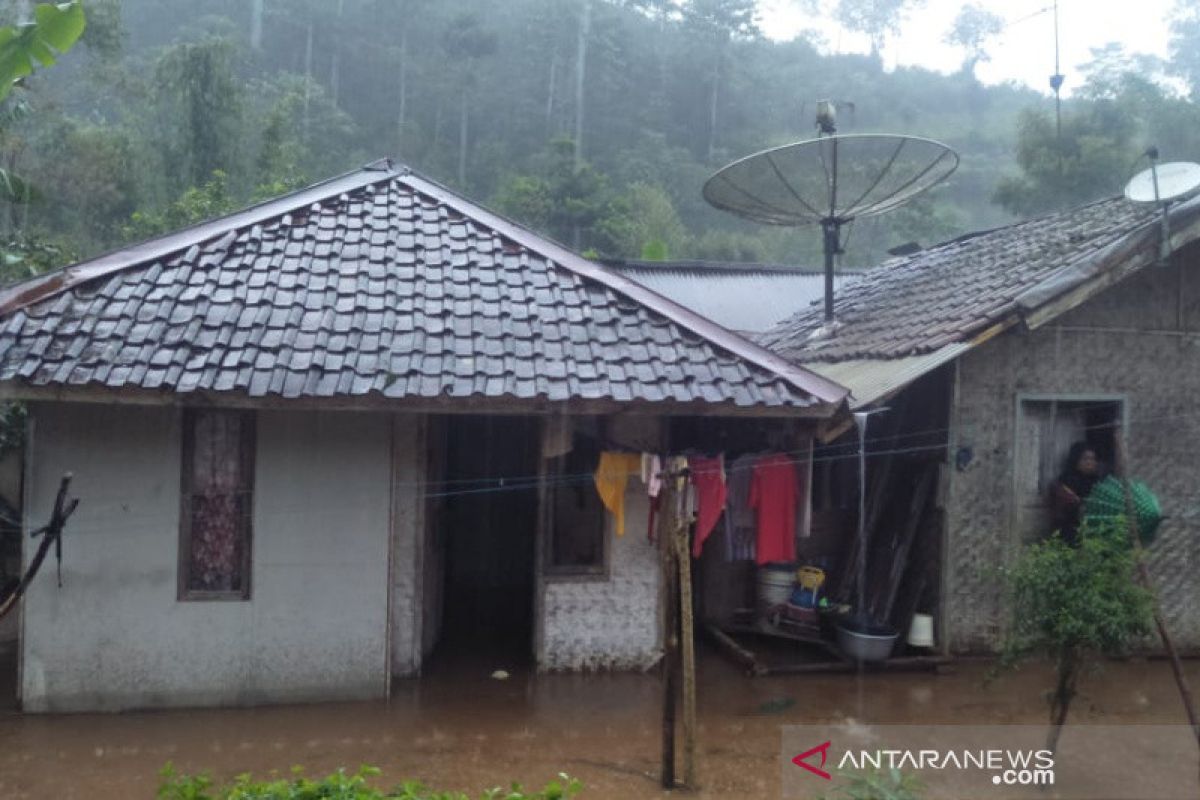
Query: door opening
x,y
486,526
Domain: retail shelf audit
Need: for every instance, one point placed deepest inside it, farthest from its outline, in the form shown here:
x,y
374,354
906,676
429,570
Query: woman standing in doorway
x,y
1081,471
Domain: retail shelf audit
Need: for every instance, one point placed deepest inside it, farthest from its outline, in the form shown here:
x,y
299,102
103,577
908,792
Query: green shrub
x,y
1073,605
883,784
339,786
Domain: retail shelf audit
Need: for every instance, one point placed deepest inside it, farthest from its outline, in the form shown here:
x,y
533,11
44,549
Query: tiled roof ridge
x,y
707,265
560,255
52,283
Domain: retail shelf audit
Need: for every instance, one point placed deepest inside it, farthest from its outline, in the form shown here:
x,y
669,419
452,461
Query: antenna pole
x,y
1056,81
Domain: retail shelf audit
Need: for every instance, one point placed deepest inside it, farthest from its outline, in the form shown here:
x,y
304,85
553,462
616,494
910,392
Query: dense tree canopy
x,y
596,121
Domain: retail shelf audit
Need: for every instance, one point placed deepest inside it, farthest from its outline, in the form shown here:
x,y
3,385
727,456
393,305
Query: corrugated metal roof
x,y
379,283
870,380
742,297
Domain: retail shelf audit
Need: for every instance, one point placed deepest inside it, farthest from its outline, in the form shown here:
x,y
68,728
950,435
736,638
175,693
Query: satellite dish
x,y
1162,182
830,181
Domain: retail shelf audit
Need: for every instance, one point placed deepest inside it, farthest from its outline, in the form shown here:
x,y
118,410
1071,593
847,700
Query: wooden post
x,y
687,644
1143,572
666,535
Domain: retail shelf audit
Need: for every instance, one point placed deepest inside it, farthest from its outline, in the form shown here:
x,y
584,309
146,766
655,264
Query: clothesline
x,y
773,498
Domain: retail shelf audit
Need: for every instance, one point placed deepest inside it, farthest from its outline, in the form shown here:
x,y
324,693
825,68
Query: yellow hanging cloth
x,y
611,476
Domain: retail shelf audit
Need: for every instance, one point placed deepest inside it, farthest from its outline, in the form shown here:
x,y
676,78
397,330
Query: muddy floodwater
x,y
461,729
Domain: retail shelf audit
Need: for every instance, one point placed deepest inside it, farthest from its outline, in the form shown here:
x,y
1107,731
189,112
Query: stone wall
x,y
1133,340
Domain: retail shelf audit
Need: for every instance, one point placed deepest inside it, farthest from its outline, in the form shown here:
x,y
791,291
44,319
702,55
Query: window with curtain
x,y
215,514
577,518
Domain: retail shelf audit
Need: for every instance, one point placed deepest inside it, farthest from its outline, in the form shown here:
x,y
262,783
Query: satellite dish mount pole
x,y
1164,246
831,228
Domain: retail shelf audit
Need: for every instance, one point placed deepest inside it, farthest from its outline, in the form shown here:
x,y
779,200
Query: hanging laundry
x,y
804,488
611,477
740,531
708,476
773,494
652,473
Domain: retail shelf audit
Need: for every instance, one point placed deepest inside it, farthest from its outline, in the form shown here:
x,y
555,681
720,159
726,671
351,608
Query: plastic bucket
x,y
775,582
920,633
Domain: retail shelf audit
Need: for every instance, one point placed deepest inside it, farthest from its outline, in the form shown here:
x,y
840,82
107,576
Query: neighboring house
x,y
316,438
1025,339
740,296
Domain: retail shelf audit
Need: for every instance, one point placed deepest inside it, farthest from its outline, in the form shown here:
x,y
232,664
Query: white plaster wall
x,y
408,550
115,636
610,622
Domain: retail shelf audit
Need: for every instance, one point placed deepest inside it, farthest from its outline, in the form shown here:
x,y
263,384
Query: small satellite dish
x,y
1163,182
830,181
1160,184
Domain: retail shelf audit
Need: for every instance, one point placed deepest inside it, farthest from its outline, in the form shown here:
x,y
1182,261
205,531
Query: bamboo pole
x,y
1143,573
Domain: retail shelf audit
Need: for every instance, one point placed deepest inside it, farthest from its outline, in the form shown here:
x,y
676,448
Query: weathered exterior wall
x,y
115,636
1141,355
408,535
609,622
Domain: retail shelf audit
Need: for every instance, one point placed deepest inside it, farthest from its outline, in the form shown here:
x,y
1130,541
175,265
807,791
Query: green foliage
x,y
889,784
200,103
53,31
972,29
878,19
339,786
22,257
1090,160
1080,599
197,204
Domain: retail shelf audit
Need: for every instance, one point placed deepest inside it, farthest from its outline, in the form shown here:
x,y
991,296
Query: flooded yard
x,y
460,729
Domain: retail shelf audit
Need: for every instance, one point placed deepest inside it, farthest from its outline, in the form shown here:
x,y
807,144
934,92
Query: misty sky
x,y
1023,52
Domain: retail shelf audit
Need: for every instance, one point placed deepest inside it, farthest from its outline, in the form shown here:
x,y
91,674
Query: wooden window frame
x,y
247,448
1119,399
551,470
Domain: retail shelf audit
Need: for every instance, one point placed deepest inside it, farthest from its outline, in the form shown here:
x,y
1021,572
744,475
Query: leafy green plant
x,y
1072,605
884,784
53,31
339,785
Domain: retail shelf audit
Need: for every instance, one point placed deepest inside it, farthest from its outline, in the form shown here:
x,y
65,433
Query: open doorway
x,y
483,534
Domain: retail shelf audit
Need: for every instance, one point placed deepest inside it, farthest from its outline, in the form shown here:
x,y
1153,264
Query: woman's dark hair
x,y
1074,454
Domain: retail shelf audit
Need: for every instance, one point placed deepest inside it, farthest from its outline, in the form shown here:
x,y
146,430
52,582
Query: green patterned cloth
x,y
1107,501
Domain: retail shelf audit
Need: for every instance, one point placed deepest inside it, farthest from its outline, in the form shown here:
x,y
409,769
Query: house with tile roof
x,y
994,353
320,439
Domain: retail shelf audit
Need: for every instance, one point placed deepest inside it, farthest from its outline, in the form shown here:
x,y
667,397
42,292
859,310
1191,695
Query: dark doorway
x,y
487,526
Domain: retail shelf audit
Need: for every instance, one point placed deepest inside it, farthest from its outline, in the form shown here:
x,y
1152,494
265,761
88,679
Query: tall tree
x,y
1185,44
1089,160
972,29
878,19
466,42
200,99
716,23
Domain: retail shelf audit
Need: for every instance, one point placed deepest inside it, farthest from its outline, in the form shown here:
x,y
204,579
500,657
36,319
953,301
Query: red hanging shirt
x,y
773,495
708,476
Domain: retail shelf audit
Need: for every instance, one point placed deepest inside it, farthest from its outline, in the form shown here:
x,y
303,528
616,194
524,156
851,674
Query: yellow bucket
x,y
810,578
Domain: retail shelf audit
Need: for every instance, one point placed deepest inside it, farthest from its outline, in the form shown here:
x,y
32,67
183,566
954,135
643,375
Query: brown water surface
x,y
459,729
